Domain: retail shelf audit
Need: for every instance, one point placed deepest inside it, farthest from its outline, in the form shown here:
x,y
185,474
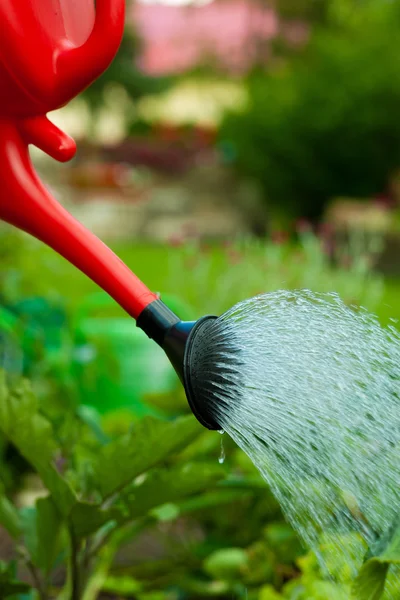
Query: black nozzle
x,y
176,339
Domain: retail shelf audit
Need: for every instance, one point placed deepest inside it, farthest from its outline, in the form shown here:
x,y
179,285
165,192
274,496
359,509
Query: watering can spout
x,y
176,338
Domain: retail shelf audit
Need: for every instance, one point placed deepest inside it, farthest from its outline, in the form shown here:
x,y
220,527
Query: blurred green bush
x,y
324,122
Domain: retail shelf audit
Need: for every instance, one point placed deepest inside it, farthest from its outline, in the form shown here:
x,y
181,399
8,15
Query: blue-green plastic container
x,y
115,363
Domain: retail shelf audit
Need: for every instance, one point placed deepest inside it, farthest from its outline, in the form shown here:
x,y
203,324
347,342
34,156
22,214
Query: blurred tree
x,y
325,122
311,11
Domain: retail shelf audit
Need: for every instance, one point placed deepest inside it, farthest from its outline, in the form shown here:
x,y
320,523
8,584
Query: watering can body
x,y
50,50
44,28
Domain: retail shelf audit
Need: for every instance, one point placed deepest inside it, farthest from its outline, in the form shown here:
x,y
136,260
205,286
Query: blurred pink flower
x,y
234,256
345,261
325,230
204,247
176,240
189,230
176,38
279,237
382,201
303,226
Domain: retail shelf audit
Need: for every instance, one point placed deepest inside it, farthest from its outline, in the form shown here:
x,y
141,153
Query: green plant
x,y
183,527
92,492
214,277
152,514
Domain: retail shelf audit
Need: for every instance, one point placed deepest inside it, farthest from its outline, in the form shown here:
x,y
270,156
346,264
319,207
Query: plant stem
x,y
74,567
37,580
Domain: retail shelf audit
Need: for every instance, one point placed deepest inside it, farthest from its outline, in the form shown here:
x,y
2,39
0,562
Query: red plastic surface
x,y
50,50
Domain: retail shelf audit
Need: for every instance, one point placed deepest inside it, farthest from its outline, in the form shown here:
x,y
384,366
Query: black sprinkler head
x,y
177,339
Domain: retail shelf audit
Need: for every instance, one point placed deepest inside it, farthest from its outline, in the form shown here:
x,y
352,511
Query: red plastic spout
x,y
42,66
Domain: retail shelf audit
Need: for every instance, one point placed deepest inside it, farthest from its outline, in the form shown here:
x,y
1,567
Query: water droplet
x,y
222,456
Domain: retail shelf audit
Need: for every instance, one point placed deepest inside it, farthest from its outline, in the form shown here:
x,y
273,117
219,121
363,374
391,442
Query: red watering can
x,y
51,50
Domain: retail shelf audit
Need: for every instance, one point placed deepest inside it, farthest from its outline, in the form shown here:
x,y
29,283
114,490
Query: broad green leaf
x,y
162,487
9,517
392,587
391,552
370,582
324,590
166,512
211,500
86,518
8,584
42,528
149,443
123,585
226,564
157,488
11,588
32,434
49,525
269,593
284,541
337,563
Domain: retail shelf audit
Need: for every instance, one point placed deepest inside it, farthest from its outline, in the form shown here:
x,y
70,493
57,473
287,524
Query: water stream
x,y
313,397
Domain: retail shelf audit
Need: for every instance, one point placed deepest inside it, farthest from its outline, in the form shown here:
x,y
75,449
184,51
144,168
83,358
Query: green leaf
x,y
267,592
158,488
49,525
161,487
9,517
226,564
8,585
149,443
322,590
10,588
166,512
370,582
42,529
123,585
391,552
212,500
32,434
86,518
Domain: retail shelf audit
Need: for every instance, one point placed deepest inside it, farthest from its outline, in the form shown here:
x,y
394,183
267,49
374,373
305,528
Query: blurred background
x,y
234,147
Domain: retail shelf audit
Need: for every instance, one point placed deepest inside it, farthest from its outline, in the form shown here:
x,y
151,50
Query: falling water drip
x,y
311,394
222,456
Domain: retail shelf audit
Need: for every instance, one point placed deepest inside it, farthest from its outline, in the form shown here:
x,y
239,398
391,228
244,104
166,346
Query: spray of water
x,y
310,391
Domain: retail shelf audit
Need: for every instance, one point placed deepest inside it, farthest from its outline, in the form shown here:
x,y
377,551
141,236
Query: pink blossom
x,y
279,237
176,240
303,226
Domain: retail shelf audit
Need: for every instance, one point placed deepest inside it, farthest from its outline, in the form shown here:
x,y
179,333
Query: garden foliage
x,y
142,508
212,530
